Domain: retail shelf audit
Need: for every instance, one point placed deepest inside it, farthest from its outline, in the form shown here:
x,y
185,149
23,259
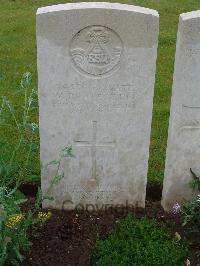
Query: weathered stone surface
x,y
183,149
96,68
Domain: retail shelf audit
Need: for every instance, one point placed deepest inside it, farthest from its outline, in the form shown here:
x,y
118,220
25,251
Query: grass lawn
x,y
18,55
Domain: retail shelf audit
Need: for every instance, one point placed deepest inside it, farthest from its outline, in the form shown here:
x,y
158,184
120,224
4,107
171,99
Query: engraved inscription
x,y
81,98
193,51
94,144
191,117
96,50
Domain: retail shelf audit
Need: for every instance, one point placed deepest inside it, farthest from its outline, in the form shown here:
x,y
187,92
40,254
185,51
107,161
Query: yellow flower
x,y
43,216
14,220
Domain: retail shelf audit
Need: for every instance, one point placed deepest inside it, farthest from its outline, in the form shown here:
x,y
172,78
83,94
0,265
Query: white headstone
x,y
183,148
96,68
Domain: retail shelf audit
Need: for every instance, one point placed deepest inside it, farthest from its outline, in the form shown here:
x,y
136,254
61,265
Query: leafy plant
x,y
195,184
13,227
15,162
139,242
191,211
15,158
14,224
66,152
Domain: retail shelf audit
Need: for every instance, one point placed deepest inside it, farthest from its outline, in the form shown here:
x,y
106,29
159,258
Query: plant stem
x,y
30,149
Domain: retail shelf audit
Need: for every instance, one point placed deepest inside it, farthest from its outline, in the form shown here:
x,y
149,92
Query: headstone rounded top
x,y
97,5
190,15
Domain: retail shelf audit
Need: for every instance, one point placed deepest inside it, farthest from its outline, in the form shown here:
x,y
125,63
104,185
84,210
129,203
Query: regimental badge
x,y
96,50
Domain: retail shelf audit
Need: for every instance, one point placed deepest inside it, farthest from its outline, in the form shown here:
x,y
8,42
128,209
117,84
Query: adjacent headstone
x,y
183,148
96,68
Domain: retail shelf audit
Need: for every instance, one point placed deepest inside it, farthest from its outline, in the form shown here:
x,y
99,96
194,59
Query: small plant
x,y
195,184
15,165
65,152
16,156
13,227
15,160
139,242
191,211
14,224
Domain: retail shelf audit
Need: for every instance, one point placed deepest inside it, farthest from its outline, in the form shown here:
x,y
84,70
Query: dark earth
x,y
68,237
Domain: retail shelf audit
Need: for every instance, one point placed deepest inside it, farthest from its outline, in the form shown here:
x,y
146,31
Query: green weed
x,y
138,243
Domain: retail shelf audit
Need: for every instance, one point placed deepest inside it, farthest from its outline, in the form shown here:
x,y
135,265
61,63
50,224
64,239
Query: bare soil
x,y
68,237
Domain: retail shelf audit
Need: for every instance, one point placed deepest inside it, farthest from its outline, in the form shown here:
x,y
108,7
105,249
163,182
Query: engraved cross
x,y
94,144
